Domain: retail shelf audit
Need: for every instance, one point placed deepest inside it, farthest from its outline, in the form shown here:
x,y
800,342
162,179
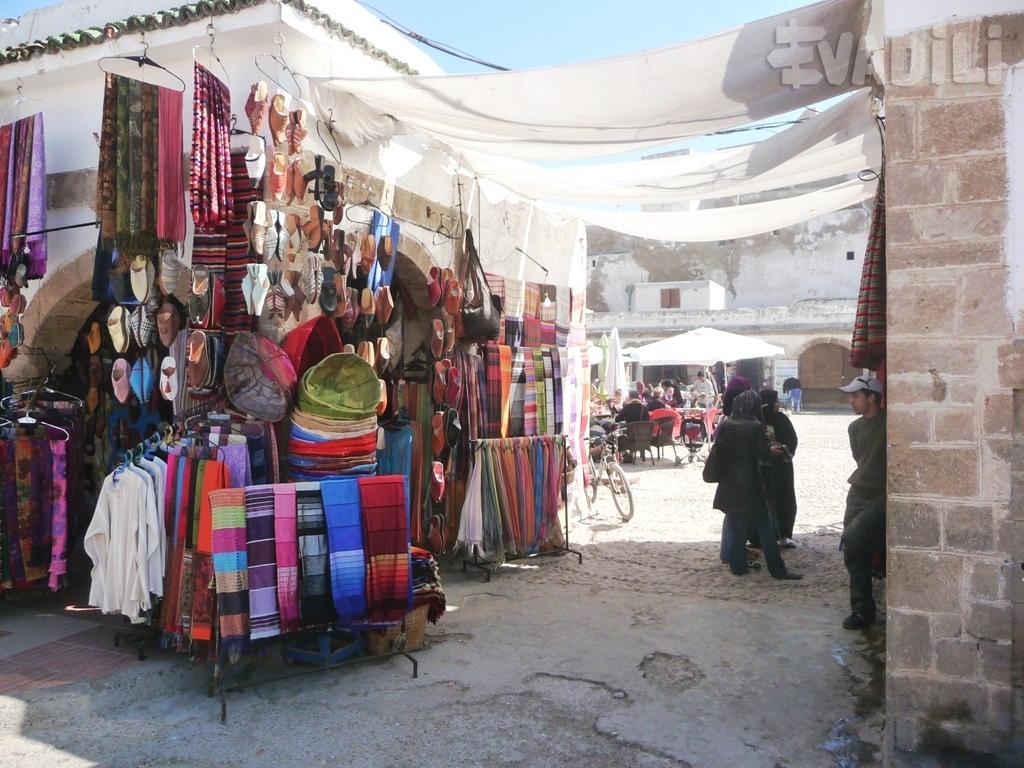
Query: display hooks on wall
x,y
211,34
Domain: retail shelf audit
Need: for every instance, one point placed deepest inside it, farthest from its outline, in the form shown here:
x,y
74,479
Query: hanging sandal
x,y
278,119
437,338
329,292
383,355
435,294
258,226
256,160
384,304
279,177
296,131
367,252
385,250
256,106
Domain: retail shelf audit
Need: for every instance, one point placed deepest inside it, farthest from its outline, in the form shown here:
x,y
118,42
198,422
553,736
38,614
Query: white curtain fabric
x,y
703,346
728,222
840,141
608,106
615,369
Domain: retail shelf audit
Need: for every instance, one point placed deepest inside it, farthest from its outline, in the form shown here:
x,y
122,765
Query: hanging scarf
x,y
59,524
170,210
210,174
261,548
343,513
867,349
386,542
315,605
230,563
286,548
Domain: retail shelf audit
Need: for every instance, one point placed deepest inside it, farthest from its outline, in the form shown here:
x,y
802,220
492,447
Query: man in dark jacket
x,y
864,521
634,410
739,450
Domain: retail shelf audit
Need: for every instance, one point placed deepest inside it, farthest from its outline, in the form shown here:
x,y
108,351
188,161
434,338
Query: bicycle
x,y
607,467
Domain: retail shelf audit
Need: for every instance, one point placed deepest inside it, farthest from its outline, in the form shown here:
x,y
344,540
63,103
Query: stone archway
x,y
823,366
59,306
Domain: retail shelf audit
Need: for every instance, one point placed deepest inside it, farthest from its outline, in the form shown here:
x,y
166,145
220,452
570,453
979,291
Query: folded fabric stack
x,y
426,584
334,425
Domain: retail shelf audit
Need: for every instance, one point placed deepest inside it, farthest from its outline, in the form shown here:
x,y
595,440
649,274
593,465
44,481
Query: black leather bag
x,y
481,309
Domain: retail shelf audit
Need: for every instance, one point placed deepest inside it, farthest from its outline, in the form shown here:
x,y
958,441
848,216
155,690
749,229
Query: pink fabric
x,y
59,522
287,549
170,198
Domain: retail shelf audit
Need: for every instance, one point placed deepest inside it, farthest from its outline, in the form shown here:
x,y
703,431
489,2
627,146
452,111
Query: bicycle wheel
x,y
595,482
621,493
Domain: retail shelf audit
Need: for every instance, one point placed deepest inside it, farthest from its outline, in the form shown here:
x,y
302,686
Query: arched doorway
x,y
822,368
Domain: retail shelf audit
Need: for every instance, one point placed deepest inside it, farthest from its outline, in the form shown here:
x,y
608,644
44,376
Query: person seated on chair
x,y
634,410
657,400
615,402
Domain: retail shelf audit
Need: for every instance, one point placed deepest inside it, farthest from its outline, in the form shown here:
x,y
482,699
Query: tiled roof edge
x,y
188,14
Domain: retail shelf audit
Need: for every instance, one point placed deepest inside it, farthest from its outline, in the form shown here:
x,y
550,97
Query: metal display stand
x,y
324,650
488,567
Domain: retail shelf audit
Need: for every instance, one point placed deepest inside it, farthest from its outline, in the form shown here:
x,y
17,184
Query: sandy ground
x,y
648,654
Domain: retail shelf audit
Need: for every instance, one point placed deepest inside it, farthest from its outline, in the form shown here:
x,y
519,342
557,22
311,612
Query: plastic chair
x,y
637,439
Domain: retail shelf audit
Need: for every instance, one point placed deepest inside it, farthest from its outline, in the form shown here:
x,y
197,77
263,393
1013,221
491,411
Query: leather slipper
x,y
453,297
437,481
119,378
168,378
198,366
437,440
278,119
329,292
367,253
382,404
452,427
168,323
440,384
117,329
170,271
384,304
94,338
453,388
142,277
435,294
437,338
279,177
366,303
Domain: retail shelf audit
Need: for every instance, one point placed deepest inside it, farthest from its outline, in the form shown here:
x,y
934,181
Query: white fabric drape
x,y
608,106
841,141
729,222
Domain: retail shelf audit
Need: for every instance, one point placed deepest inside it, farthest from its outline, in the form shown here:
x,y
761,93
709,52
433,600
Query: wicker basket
x,y
407,636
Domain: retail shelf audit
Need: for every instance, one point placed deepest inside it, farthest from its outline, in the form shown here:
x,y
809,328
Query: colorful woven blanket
x,y
231,565
261,548
386,541
342,511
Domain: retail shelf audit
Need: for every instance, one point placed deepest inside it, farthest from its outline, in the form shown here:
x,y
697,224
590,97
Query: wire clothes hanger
x,y
142,60
279,60
212,54
20,99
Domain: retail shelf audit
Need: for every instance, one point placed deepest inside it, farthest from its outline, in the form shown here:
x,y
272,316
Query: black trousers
x,y
858,565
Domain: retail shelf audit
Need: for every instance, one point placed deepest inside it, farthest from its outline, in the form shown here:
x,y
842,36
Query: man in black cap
x,y
864,521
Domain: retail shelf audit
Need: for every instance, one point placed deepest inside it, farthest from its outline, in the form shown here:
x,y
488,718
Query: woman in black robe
x,y
780,482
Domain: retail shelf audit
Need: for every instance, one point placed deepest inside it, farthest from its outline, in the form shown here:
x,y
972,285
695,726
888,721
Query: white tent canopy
x,y
729,222
840,141
704,346
613,105
615,370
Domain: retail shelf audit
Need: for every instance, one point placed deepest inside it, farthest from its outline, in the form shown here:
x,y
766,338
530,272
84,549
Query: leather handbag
x,y
481,309
712,473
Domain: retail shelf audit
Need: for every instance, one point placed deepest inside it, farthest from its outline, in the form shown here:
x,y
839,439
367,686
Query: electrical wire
x,y
442,47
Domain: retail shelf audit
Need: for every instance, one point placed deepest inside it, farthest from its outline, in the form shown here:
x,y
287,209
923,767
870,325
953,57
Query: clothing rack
x,y
487,567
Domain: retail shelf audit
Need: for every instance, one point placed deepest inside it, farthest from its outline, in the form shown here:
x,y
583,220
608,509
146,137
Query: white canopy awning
x,y
704,346
613,105
729,222
841,141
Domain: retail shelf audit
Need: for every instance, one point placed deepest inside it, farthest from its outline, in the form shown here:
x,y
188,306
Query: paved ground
x,y
648,654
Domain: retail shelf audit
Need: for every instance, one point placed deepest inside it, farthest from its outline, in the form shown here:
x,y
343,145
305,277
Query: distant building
x,y
794,287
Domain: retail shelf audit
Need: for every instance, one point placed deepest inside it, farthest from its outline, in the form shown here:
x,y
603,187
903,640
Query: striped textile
x,y
315,606
548,303
214,476
237,254
531,332
492,369
577,335
562,305
542,399
286,548
386,542
515,293
556,381
577,303
209,249
562,331
343,513
497,285
531,300
550,413
867,349
548,335
505,368
231,566
530,394
513,331
261,548
517,393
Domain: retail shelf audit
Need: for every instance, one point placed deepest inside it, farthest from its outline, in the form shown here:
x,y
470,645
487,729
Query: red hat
x,y
310,342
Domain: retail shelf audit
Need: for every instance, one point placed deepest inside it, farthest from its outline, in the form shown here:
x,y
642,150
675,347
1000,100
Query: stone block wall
x,y
956,374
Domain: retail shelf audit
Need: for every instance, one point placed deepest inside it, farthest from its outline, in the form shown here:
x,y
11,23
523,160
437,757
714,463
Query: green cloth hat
x,y
341,386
